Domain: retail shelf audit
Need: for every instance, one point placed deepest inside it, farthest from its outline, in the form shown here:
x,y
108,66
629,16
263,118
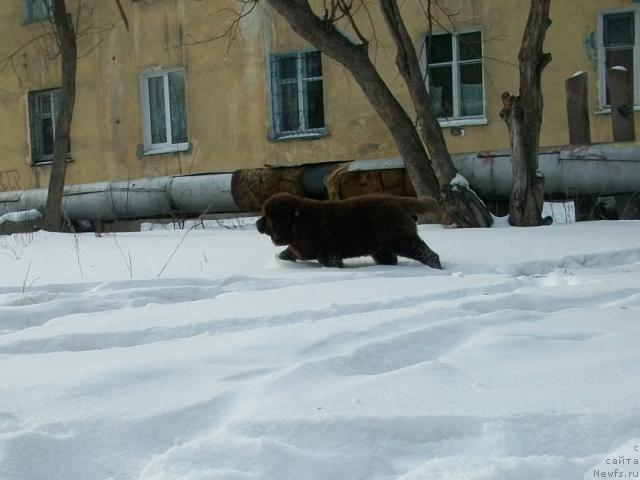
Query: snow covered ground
x,y
171,355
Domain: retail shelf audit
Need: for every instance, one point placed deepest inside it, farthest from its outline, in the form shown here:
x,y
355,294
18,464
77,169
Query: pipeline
x,y
600,169
157,197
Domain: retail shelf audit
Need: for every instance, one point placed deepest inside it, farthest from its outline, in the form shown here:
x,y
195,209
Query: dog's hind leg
x,y
334,261
288,254
416,249
385,257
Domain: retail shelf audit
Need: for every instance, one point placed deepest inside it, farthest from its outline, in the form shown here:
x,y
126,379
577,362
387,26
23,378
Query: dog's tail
x,y
420,205
423,209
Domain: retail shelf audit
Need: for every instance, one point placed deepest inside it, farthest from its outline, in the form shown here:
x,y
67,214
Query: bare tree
x,y
523,116
66,35
431,173
66,39
59,38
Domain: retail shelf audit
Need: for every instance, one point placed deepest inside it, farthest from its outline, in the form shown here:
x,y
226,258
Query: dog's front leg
x,y
416,249
333,261
288,254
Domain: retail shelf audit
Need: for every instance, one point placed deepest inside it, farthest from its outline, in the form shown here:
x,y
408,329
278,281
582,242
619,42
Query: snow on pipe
x,y
602,169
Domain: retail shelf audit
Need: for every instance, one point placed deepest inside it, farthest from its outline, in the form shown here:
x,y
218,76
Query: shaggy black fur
x,y
378,225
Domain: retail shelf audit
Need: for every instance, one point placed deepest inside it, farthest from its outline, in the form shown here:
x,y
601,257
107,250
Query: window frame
x,y
602,59
457,119
150,148
28,8
46,159
274,82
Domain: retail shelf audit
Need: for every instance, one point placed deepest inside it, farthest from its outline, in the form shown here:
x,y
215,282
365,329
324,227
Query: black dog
x,y
382,226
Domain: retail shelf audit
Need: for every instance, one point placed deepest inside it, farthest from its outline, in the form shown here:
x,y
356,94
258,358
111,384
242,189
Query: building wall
x,y
229,113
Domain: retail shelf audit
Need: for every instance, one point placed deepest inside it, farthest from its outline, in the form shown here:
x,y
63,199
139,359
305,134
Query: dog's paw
x,y
288,254
332,261
433,261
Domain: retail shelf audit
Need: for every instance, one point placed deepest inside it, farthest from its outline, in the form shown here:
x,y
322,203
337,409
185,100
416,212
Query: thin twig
x,y
175,250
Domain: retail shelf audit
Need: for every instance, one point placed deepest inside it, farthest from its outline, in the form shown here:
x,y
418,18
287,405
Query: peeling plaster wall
x,y
228,102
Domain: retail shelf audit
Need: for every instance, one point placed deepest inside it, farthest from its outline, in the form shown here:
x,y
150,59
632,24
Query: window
x,y
619,45
43,108
164,111
36,10
298,102
455,76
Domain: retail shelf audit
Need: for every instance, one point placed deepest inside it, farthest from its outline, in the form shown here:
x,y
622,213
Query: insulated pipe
x,y
196,194
139,198
601,169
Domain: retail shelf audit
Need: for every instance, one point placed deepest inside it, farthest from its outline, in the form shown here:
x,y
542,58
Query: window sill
x,y
181,147
607,110
48,163
463,122
33,21
311,135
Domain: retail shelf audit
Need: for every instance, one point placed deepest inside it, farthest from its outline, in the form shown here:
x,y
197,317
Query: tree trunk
x,y
324,36
523,116
462,207
66,38
527,192
355,58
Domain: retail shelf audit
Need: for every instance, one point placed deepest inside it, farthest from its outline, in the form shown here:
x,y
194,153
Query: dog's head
x,y
278,215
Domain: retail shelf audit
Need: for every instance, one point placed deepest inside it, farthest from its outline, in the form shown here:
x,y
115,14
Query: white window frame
x,y
457,119
167,147
602,59
303,131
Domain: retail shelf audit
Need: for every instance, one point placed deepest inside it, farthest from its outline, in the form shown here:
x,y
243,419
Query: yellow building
x,y
166,97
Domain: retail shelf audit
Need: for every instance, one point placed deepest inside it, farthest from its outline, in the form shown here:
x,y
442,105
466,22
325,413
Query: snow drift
x,y
197,355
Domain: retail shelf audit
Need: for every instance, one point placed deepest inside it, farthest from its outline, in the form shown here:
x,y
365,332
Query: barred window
x,y
455,75
43,109
297,94
164,111
36,10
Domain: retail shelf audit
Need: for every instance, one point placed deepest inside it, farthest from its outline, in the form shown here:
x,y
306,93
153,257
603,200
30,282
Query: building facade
x,y
182,91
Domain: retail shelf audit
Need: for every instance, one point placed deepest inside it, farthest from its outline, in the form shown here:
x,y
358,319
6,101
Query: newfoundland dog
x,y
378,225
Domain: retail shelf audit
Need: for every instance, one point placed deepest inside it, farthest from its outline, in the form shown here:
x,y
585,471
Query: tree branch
x,y
123,15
